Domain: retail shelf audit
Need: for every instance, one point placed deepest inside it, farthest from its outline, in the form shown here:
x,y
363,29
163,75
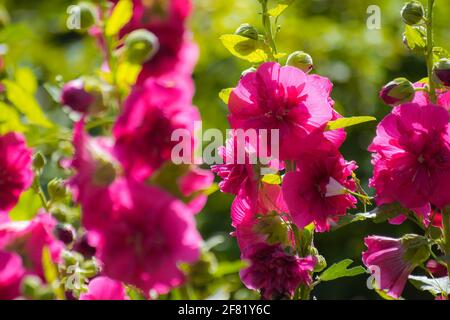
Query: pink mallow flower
x,y
193,185
11,274
317,191
411,157
16,173
150,235
391,260
275,272
29,238
287,99
144,130
104,288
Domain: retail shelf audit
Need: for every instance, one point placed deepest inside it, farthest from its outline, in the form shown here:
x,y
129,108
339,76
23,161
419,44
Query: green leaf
x,y
51,273
120,16
436,286
27,207
26,79
414,38
10,119
53,91
271,179
439,53
254,51
339,270
228,267
351,218
279,9
348,122
26,104
224,94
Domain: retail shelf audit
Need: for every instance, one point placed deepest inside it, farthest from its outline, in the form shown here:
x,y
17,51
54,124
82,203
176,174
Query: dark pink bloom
x,y
422,98
287,99
28,238
152,233
143,131
385,259
104,288
275,272
192,186
16,174
437,269
412,157
235,176
316,192
11,274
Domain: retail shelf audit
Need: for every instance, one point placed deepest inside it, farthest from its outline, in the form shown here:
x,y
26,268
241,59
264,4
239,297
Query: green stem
x,y
38,189
446,244
267,24
429,54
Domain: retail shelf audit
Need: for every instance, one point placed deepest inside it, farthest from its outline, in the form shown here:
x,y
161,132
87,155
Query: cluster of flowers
x,y
317,181
139,231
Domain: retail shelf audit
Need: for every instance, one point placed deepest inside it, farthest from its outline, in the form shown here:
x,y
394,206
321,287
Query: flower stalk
x,y
429,54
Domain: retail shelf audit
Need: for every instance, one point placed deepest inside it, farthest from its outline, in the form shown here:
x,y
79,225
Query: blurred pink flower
x,y
152,233
28,239
316,192
104,288
16,174
287,99
192,186
411,157
11,274
275,272
143,131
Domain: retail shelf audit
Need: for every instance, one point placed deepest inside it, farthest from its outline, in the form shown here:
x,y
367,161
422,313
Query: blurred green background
x,y
358,61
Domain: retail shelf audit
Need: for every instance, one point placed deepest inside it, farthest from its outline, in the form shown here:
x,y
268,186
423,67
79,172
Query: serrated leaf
x,y
271,179
435,286
228,267
224,94
26,79
10,119
26,104
414,38
348,122
254,51
279,9
51,273
339,270
120,16
27,207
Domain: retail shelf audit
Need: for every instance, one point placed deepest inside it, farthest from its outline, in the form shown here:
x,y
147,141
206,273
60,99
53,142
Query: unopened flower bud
x,y
83,247
441,71
75,96
321,263
416,248
71,258
105,173
88,15
140,46
30,286
300,60
64,232
38,161
274,227
412,12
248,31
57,189
398,91
90,268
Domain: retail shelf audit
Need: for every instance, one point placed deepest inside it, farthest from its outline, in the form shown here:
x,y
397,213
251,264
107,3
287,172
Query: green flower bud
x,y
300,60
412,13
90,268
30,286
398,91
416,248
248,31
105,173
71,258
321,263
274,227
88,15
57,189
140,46
441,71
38,161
